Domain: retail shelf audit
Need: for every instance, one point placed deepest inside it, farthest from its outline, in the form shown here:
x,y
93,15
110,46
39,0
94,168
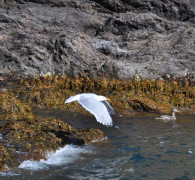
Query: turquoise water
x,y
142,148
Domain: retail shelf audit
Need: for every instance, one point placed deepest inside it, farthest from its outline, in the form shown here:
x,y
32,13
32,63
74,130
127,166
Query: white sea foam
x,y
34,165
130,170
62,156
102,139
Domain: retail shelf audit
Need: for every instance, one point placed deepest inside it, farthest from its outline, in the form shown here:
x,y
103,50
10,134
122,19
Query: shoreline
x,y
36,135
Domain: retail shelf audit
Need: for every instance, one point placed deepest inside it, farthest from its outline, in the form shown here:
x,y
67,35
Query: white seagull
x,y
96,105
166,117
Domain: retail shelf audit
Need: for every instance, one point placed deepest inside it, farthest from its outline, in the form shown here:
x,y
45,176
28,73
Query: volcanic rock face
x,y
115,39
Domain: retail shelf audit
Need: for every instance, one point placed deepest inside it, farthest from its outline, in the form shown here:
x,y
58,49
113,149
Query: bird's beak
x,y
108,99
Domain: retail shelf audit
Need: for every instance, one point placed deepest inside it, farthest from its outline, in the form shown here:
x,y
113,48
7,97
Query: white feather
x,y
93,103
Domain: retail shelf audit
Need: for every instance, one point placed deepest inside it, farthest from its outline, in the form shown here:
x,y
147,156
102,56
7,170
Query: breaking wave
x,y
62,156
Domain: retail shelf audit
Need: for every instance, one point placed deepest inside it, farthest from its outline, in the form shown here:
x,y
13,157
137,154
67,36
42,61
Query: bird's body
x,y
96,105
167,117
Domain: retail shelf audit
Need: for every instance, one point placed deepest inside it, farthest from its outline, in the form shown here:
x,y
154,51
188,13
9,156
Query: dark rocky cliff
x,y
98,38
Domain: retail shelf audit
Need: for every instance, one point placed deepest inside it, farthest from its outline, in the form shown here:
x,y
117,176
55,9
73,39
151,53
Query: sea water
x,y
141,148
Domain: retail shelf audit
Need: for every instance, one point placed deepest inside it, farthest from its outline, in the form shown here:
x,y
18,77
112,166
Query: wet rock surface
x,y
140,54
113,39
25,136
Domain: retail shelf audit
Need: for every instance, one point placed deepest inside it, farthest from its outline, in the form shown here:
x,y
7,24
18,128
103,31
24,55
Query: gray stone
x,y
100,38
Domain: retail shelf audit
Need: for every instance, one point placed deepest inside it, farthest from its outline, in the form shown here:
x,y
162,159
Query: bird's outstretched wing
x,y
109,108
98,109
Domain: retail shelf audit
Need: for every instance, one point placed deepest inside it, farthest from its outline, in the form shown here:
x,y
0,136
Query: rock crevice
x,y
111,39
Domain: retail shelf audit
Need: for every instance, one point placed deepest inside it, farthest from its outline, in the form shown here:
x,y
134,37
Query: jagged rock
x,y
176,9
112,39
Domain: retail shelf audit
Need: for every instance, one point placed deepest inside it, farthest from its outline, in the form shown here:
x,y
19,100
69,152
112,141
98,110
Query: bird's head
x,y
102,98
175,110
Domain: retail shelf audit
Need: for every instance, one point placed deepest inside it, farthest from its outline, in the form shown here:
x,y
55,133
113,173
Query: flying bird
x,y
96,105
167,117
